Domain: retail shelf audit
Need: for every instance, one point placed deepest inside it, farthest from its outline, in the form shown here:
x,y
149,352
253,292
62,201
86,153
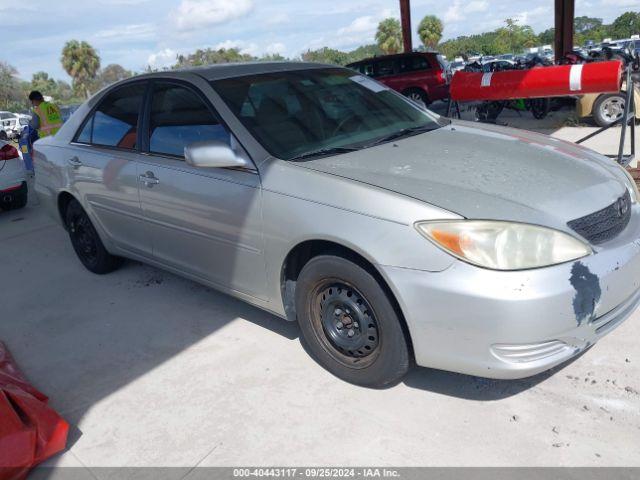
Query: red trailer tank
x,y
538,82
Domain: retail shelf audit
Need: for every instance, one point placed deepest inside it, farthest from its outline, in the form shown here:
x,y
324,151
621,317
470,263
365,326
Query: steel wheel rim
x,y
345,323
84,239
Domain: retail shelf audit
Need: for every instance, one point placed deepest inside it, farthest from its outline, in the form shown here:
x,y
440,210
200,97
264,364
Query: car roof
x,y
229,70
390,57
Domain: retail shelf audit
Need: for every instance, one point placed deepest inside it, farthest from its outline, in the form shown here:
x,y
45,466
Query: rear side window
x,y
413,64
115,122
179,117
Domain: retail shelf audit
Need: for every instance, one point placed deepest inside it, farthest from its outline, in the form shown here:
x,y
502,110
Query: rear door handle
x,y
75,162
148,179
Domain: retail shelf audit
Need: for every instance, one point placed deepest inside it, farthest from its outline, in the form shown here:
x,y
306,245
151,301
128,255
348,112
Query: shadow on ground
x,y
468,387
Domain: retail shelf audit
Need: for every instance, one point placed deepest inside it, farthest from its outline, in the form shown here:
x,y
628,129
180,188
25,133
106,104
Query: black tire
x,y
3,136
540,107
349,324
489,111
608,108
19,201
86,241
417,95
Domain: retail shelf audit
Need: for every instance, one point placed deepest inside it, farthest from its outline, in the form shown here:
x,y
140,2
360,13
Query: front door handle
x,y
148,179
75,162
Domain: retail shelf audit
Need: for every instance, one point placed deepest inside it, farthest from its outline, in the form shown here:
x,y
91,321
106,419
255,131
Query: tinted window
x,y
115,121
179,117
413,64
384,67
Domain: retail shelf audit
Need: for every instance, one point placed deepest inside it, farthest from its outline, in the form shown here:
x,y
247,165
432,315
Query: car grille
x,y
604,224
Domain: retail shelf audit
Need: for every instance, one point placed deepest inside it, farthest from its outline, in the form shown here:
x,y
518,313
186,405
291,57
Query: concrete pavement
x,y
155,370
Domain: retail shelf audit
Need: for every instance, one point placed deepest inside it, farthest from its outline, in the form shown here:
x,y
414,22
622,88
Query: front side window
x,y
296,112
179,117
115,122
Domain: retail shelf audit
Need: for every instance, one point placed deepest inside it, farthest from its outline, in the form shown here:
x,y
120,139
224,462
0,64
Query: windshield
x,y
327,111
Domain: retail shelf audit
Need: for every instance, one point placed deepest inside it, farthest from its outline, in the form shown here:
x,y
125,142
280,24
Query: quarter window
x,y
179,117
366,69
115,122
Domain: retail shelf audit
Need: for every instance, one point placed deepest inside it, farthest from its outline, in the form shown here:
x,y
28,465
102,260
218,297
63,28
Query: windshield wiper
x,y
405,132
323,151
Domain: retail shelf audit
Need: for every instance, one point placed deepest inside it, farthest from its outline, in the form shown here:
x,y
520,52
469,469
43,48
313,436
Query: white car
x,y
13,182
13,127
4,135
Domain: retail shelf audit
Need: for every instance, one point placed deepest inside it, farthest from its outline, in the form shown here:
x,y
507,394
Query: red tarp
x,y
30,430
538,82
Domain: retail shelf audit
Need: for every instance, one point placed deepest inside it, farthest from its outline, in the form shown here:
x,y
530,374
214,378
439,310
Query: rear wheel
x,y
3,135
608,108
19,201
349,324
14,200
87,243
417,95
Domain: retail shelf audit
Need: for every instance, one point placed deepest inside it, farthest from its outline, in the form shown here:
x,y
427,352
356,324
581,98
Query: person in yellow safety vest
x,y
47,119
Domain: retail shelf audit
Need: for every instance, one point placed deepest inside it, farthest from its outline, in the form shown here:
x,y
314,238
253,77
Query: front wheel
x,y
86,241
349,324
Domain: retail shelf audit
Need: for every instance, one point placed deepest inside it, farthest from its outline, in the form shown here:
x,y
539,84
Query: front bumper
x,y
517,324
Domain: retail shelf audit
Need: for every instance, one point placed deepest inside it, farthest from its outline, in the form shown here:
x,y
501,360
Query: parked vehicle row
x,y
325,197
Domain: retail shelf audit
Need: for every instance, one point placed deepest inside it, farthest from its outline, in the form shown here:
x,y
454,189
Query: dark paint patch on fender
x,y
588,292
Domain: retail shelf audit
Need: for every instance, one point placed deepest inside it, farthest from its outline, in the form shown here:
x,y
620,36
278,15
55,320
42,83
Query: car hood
x,y
488,172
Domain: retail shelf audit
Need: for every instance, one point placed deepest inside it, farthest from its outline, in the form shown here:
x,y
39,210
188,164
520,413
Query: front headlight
x,y
503,245
632,185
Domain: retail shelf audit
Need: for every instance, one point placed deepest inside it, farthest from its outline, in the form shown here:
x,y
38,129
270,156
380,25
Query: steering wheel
x,y
345,121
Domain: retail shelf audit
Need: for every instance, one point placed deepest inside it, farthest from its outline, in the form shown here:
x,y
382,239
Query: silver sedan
x,y
390,234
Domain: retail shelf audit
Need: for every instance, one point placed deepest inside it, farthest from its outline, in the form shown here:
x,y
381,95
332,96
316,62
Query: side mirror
x,y
213,154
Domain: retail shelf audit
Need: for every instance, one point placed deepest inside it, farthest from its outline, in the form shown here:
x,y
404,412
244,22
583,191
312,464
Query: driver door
x,y
206,222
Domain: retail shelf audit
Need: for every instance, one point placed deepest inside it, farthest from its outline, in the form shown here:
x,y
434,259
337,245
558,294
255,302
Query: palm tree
x,y
430,31
81,61
389,35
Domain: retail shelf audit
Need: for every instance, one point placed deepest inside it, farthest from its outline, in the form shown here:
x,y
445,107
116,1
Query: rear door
x,y
102,166
206,222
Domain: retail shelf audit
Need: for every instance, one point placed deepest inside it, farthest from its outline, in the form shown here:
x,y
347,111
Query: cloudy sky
x,y
136,33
